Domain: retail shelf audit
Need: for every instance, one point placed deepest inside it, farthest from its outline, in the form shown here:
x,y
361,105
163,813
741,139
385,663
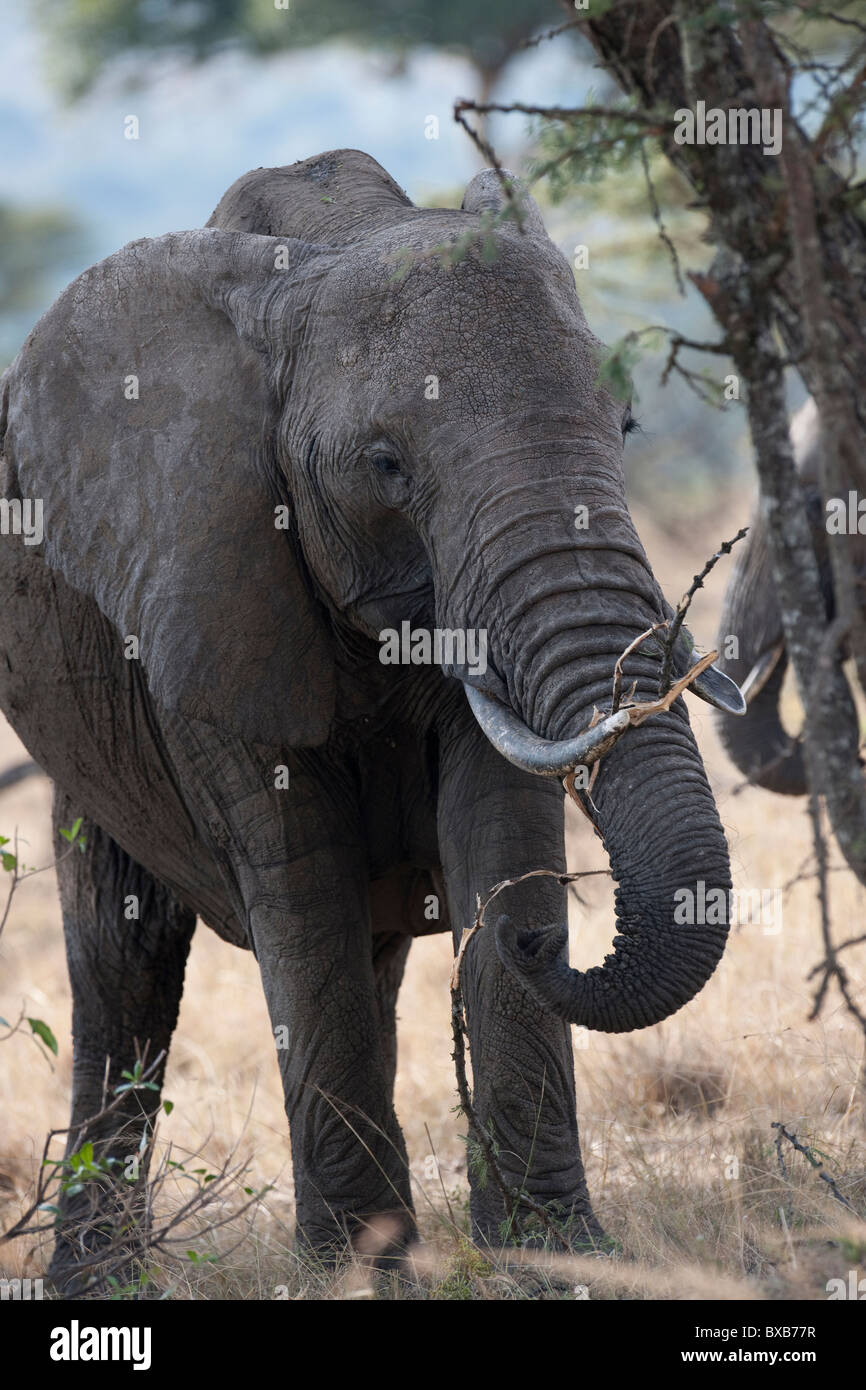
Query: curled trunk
x,y
565,623
657,817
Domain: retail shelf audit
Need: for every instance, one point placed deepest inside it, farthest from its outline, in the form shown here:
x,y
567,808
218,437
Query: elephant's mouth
x,y
546,758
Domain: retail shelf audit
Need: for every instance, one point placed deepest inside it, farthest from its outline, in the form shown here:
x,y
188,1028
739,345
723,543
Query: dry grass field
x,y
675,1121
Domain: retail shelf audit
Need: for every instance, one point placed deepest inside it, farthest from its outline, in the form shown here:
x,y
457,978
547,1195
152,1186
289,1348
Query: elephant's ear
x,y
338,197
485,193
141,412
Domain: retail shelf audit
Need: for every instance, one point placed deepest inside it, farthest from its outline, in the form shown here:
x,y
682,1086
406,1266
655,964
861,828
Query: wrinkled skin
x,y
759,745
258,649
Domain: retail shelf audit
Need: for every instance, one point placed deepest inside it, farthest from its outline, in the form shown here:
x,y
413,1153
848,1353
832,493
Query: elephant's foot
x,y
538,1268
568,1226
379,1241
92,1268
99,1244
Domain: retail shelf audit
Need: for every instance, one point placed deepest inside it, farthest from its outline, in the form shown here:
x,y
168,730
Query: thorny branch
x,y
131,1217
487,150
616,693
830,965
685,603
18,875
513,1198
811,1159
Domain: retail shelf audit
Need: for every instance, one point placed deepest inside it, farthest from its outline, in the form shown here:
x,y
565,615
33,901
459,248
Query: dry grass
x,y
675,1122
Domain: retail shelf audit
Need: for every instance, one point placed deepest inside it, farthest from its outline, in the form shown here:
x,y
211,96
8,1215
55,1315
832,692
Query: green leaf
x,y
168,1106
8,861
4,839
86,1152
42,1031
4,1023
71,835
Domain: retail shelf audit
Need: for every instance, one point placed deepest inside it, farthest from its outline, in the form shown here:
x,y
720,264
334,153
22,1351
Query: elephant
x,y
759,745
258,447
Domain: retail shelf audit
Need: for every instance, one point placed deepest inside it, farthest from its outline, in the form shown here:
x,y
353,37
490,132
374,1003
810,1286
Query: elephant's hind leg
x,y
127,940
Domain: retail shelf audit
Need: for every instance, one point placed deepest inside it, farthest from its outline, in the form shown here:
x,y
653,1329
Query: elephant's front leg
x,y
496,822
311,935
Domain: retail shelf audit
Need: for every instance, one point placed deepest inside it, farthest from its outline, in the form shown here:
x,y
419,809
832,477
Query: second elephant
x,y
759,745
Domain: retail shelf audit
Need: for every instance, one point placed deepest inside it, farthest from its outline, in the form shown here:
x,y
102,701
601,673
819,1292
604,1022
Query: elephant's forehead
x,y
450,305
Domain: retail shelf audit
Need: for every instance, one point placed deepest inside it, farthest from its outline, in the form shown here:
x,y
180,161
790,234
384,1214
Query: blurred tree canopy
x,y
87,34
34,243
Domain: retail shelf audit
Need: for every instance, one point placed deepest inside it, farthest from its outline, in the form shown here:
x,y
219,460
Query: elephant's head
x,y
751,641
418,389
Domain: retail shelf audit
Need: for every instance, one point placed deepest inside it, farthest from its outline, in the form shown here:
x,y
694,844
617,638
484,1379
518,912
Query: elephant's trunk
x,y
659,824
567,614
759,745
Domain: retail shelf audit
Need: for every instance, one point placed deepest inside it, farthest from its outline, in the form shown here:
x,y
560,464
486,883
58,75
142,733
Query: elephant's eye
x,y
387,464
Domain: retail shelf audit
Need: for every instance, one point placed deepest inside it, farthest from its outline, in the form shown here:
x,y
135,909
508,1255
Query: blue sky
x,y
201,127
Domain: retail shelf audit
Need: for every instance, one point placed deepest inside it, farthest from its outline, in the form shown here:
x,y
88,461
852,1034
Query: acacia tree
x,y
88,34
788,283
787,287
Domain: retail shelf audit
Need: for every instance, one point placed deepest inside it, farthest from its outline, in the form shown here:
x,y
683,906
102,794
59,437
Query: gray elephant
x,y
759,745
260,446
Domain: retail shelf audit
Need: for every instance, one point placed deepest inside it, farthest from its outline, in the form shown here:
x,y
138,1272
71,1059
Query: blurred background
x,y
221,86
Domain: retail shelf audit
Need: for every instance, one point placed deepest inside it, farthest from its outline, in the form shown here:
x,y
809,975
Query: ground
x,y
675,1121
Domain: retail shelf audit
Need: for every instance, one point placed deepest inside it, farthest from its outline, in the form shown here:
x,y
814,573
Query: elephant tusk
x,y
761,672
719,690
526,750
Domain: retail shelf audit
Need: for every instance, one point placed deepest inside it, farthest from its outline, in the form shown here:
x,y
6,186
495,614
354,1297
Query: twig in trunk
x,y
685,603
513,1198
